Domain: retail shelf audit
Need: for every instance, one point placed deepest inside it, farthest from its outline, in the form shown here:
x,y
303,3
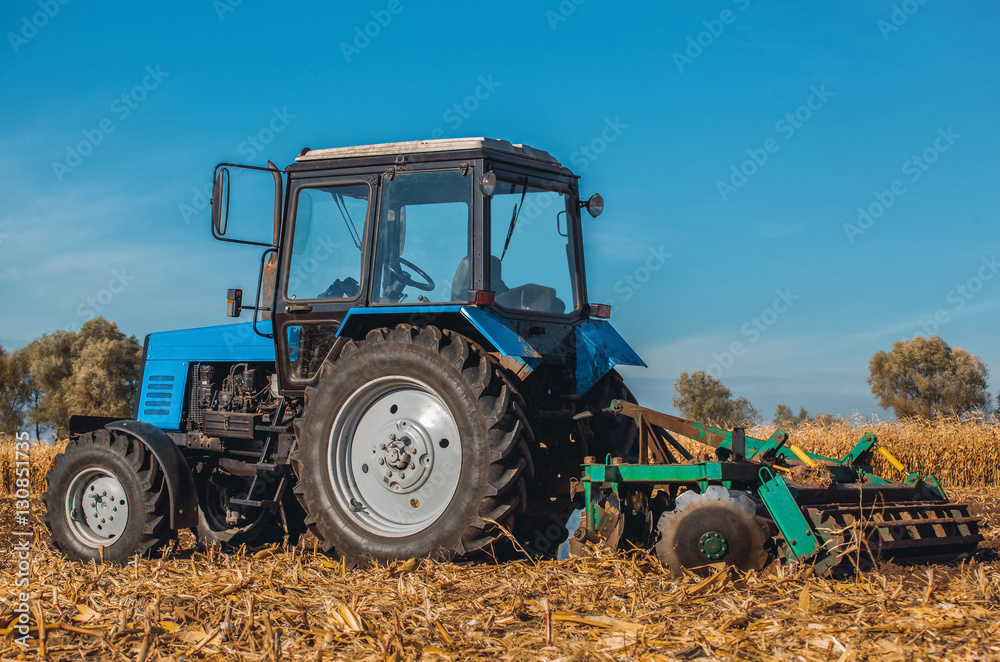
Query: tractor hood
x,y
168,355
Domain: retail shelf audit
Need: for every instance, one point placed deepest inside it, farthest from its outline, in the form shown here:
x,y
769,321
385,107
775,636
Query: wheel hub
x,y
713,545
97,506
403,455
397,456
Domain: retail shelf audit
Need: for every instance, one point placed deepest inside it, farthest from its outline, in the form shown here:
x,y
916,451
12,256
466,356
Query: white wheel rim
x,y
395,457
96,507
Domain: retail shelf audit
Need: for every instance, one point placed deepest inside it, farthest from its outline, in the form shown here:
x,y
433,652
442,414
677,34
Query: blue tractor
x,y
423,370
424,373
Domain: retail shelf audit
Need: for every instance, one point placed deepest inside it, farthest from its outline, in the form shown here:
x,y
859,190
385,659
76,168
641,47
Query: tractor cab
x,y
477,235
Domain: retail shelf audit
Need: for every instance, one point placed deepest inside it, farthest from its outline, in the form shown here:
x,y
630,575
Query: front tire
x,y
107,490
410,447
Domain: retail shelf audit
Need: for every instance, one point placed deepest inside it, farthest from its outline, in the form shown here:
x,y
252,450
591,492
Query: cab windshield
x,y
532,260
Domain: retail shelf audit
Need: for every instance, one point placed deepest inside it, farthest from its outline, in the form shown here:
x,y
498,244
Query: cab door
x,y
322,272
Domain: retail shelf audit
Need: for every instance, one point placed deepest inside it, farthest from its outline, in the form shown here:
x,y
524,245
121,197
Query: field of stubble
x,y
292,603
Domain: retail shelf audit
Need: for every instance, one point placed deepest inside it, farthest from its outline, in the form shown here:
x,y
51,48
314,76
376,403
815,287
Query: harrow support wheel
x,y
717,526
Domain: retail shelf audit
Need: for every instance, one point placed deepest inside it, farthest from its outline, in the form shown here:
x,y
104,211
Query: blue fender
x,y
599,348
176,472
515,352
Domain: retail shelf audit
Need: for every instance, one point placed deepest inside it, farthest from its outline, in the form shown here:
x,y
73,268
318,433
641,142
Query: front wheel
x,y
410,447
107,491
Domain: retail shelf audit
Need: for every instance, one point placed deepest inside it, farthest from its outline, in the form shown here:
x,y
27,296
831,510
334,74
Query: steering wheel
x,y
406,278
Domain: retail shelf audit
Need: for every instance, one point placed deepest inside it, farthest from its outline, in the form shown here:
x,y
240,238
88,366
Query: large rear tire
x,y
410,446
107,490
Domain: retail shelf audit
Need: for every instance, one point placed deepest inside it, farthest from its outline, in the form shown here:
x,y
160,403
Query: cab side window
x,y
326,253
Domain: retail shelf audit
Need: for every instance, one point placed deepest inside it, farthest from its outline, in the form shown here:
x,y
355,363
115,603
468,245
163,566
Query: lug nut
x,y
413,466
382,446
393,437
402,475
381,460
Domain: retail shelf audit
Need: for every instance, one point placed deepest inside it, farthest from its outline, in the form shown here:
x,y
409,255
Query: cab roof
x,y
428,147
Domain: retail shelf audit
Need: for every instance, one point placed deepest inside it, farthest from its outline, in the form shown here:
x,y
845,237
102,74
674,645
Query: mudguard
x,y
180,482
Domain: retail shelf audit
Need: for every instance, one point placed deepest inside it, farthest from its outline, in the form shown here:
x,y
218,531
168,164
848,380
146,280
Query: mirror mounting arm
x,y
220,202
276,173
260,282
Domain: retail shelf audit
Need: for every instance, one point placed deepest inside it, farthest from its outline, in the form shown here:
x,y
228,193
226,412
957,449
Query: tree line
x,y
918,378
94,371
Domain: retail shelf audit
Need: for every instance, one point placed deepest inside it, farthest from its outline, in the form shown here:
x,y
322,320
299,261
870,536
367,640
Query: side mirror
x,y
594,205
220,202
234,303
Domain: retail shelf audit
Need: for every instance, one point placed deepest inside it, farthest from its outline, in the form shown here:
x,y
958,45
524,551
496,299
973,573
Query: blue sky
x,y
734,142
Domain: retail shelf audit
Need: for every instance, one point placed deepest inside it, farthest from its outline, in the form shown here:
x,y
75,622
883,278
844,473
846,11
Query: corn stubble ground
x,y
292,603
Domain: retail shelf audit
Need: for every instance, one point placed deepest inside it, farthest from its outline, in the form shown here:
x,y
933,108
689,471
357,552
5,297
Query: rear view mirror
x,y
234,303
220,202
249,198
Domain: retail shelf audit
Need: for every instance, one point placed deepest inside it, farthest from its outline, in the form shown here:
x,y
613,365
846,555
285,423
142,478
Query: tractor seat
x,y
462,282
524,297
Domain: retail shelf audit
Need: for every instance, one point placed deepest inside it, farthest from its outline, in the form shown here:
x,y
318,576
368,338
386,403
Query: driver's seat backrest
x,y
462,281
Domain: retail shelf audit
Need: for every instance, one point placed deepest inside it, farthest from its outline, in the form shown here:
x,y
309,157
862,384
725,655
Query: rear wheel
x,y
106,491
410,447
